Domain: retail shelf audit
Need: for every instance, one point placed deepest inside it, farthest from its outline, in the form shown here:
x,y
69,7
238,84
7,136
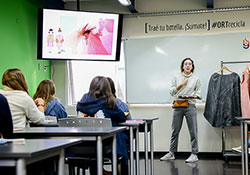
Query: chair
x,y
84,154
84,122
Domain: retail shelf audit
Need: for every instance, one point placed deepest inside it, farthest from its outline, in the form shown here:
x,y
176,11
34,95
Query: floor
x,y
205,166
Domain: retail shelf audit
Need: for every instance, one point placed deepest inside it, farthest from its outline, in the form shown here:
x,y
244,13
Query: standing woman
x,y
46,91
22,106
185,89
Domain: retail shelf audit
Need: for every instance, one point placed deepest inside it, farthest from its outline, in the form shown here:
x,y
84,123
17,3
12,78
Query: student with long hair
x,y
46,91
22,106
100,98
123,106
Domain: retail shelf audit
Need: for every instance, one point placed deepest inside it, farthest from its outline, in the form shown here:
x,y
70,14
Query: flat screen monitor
x,y
78,35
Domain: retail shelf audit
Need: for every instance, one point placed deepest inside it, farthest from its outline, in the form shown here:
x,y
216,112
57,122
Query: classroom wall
x,y
18,33
210,139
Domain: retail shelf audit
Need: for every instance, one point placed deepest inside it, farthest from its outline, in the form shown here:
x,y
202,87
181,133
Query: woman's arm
x,y
176,87
117,115
197,92
31,111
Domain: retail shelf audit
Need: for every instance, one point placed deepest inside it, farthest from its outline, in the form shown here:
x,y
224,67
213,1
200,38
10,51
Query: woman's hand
x,y
39,101
183,83
40,104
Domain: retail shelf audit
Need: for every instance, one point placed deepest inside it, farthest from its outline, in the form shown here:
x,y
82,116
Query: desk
x,y
149,127
33,150
85,133
145,126
244,143
134,125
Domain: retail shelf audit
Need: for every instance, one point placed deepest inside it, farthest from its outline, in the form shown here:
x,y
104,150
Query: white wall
x,y
209,137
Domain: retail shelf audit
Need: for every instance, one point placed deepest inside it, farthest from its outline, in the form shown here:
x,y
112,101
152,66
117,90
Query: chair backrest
x,y
85,122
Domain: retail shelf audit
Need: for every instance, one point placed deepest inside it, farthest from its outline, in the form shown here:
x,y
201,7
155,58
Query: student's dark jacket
x,y
55,108
6,125
90,106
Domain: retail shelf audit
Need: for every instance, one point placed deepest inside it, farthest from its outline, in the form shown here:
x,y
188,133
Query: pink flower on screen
x,y
106,29
99,41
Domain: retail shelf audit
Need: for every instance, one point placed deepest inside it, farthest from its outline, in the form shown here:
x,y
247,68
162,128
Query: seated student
x,y
100,98
123,106
46,91
22,107
6,125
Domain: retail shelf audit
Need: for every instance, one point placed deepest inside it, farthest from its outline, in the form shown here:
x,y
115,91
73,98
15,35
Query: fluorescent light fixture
x,y
125,2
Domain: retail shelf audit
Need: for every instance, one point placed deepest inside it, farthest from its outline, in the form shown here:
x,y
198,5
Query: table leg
x,y
246,147
21,167
146,147
137,151
61,163
99,156
152,148
242,147
114,155
131,150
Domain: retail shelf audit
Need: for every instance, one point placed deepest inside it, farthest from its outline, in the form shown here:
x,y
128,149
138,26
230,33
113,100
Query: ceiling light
x,y
125,2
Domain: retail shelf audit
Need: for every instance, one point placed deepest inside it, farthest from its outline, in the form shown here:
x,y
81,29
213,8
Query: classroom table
x,y
134,125
144,125
244,143
19,155
148,127
96,134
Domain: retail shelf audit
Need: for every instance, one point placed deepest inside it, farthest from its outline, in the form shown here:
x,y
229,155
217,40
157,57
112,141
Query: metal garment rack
x,y
227,154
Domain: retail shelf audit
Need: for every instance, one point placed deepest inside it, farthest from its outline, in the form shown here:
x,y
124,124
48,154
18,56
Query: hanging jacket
x,y
223,100
89,105
55,108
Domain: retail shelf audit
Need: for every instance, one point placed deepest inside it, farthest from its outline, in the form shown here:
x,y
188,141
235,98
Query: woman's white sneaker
x,y
192,158
168,156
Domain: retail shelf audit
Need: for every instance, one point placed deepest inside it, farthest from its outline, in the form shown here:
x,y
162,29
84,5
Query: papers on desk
x,y
134,121
50,119
13,141
238,149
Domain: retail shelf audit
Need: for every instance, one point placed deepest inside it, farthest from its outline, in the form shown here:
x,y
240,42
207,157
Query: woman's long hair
x,y
45,90
112,86
14,79
100,88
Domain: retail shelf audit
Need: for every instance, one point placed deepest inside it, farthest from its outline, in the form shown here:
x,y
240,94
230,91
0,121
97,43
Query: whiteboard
x,y
151,63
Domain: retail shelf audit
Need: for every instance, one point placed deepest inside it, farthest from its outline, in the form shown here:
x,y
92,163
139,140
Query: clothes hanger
x,y
247,68
224,68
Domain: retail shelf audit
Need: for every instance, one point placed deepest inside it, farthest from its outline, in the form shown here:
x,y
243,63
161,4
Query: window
x,y
80,74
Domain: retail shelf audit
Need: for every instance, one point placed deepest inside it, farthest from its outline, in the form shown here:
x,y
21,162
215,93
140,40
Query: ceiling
x,y
144,6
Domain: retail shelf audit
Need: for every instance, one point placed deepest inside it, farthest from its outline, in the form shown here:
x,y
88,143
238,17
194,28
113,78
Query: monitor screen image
x,y
77,35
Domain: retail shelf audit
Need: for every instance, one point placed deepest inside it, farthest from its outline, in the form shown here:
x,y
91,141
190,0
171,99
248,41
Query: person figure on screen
x,y
59,41
123,106
185,88
50,40
22,106
46,91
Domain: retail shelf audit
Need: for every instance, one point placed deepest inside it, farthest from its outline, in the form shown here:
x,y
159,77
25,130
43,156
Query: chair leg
x,y
78,170
71,170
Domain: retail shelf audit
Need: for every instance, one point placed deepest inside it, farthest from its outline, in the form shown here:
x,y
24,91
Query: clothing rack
x,y
227,154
